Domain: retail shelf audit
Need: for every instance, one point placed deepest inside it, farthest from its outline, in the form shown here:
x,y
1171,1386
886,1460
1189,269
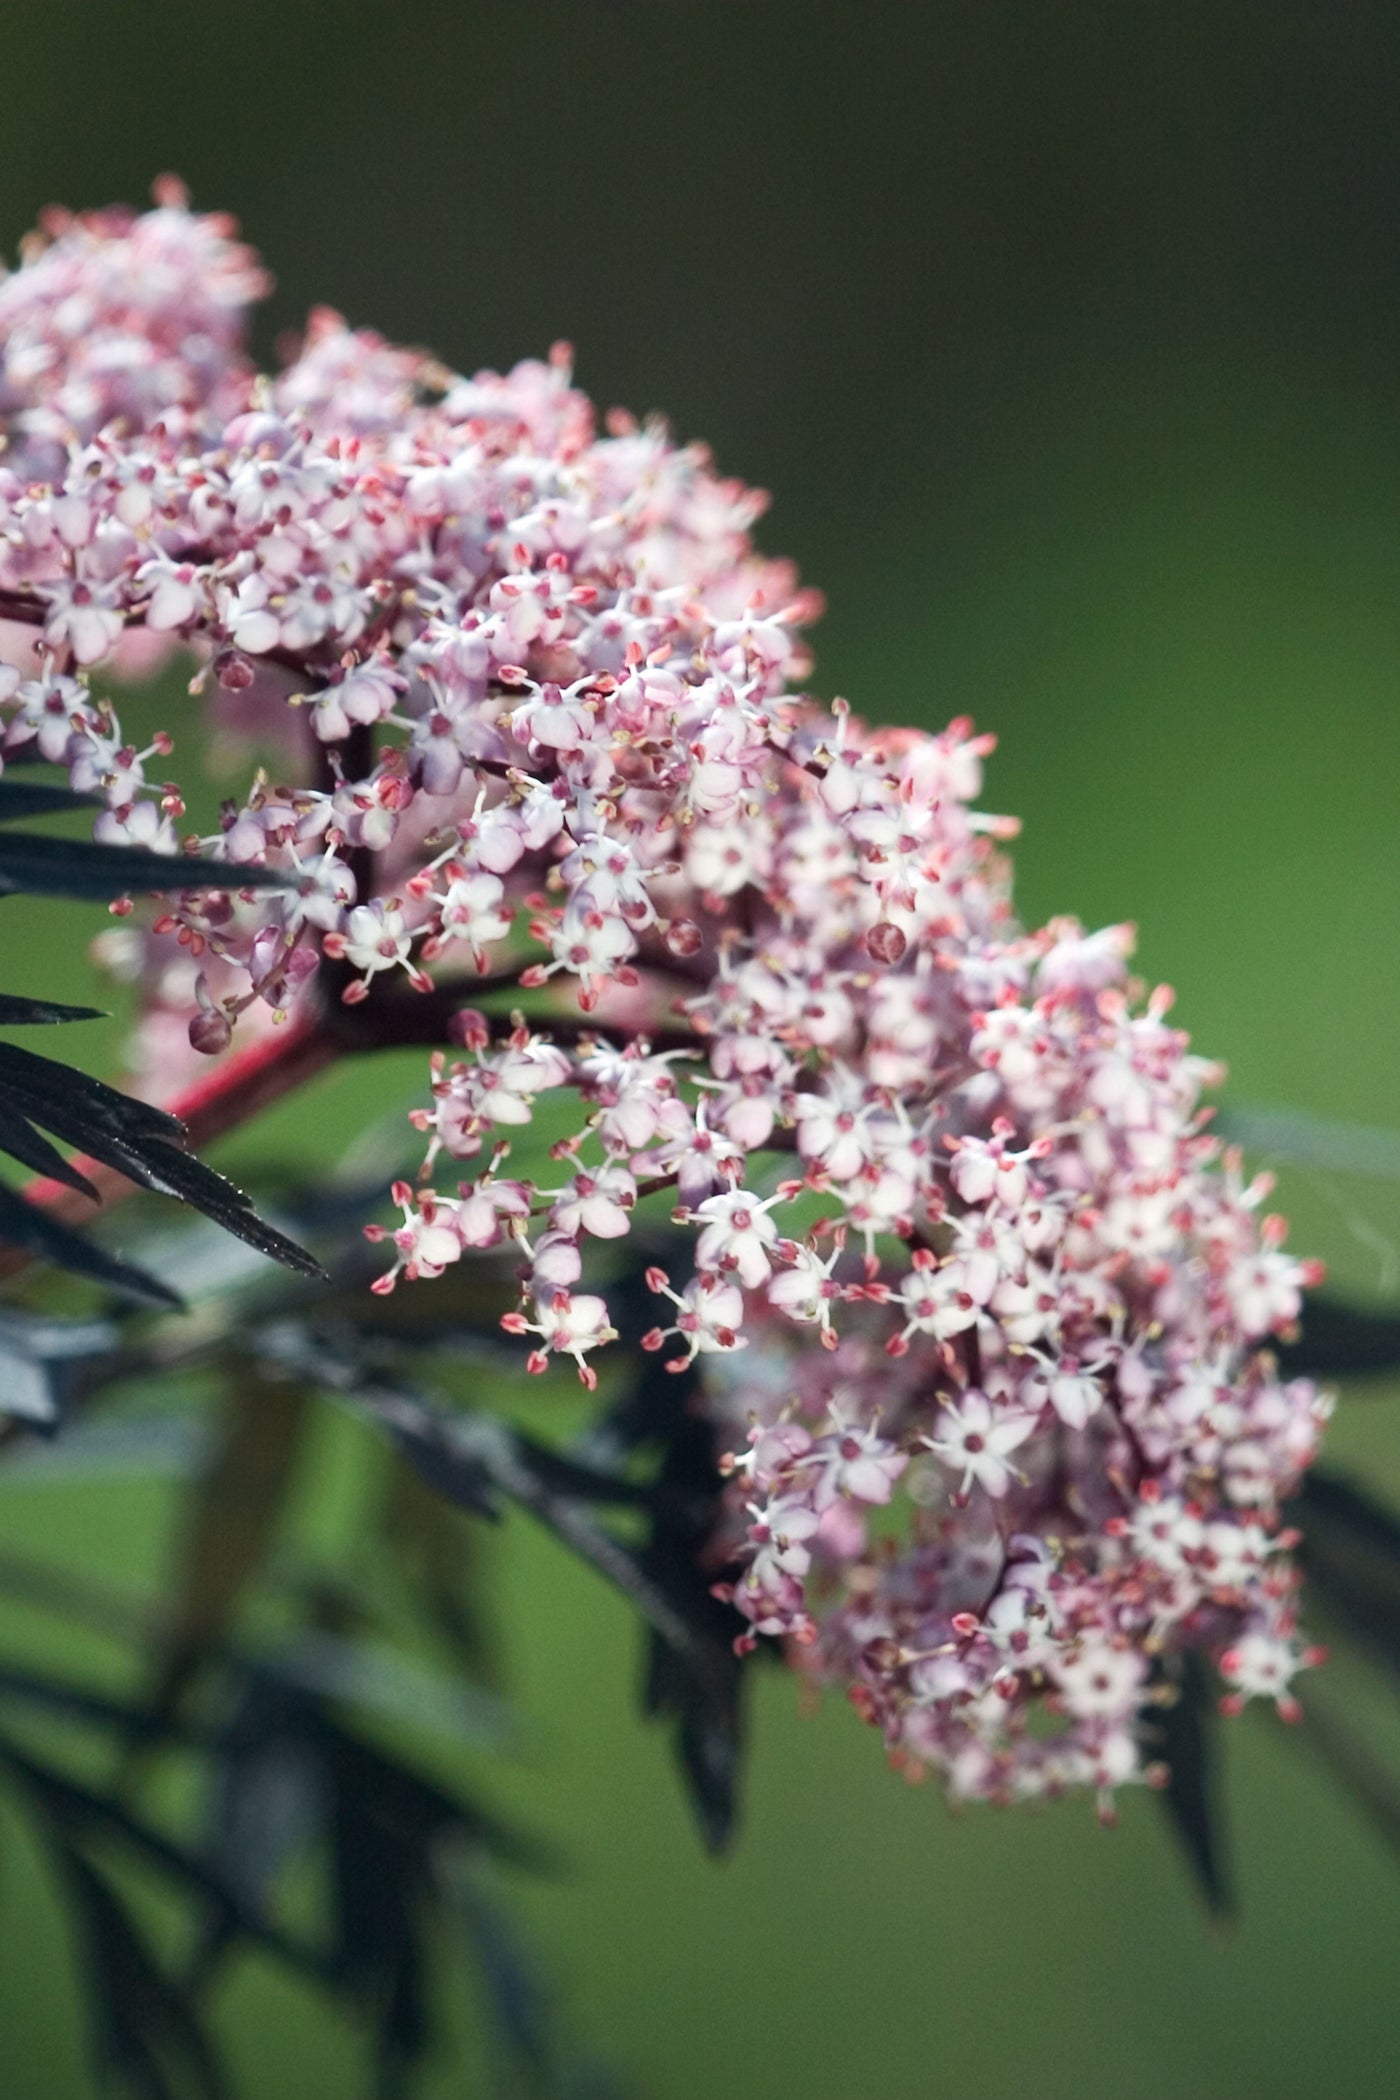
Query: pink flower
x,y
737,1235
859,1463
979,1441
551,762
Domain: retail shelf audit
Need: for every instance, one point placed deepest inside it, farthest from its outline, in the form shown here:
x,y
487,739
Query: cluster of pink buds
x,y
977,1303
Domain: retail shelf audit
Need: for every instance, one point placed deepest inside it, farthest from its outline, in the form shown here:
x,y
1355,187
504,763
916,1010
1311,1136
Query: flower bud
x,y
210,1032
885,942
683,937
234,671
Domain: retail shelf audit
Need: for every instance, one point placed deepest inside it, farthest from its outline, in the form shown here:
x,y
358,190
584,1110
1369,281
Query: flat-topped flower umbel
x,y
978,1308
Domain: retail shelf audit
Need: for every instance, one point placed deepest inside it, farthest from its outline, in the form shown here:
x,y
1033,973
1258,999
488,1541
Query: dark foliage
x,y
288,1778
139,1141
33,863
300,1746
657,1415
1343,1341
43,1362
38,1094
1187,1729
146,2032
478,1462
1351,1556
35,1233
29,1013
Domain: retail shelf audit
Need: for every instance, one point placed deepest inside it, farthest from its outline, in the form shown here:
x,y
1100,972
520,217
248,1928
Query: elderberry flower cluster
x,y
977,1303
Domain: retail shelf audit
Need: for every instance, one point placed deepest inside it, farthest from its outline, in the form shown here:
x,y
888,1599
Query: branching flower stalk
x,y
981,1309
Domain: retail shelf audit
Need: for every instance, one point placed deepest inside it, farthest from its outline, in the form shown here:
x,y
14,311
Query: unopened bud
x,y
470,1029
683,937
210,1032
885,941
234,671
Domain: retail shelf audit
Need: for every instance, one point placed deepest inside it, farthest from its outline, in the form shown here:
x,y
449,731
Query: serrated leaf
x,y
31,1149
465,1460
33,864
1351,1560
266,1803
71,1808
174,1172
38,798
705,1706
476,1460
427,1443
514,1990
146,2031
229,1520
705,1703
388,1830
418,1808
25,1226
654,1402
1187,1735
1340,1340
380,1881
140,1141
16,1012
44,1087
430,1545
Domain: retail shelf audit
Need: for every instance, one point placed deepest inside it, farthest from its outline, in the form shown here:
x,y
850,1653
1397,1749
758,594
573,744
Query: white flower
x,y
473,910
780,1531
856,1462
376,937
737,1235
1101,1682
1261,1665
598,1202
979,1439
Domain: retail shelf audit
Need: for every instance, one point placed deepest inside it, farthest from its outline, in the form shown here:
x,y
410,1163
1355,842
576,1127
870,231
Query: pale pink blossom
x,y
956,1241
978,1440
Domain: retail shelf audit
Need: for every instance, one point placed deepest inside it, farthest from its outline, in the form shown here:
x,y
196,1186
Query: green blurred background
x,y
1068,336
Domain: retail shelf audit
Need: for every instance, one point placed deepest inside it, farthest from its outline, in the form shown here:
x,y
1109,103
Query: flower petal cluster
x,y
979,1304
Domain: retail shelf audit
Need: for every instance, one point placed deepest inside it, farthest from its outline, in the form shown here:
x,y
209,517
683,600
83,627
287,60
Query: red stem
x,y
243,1085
